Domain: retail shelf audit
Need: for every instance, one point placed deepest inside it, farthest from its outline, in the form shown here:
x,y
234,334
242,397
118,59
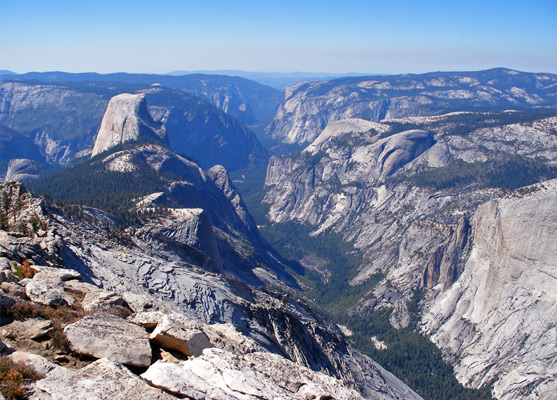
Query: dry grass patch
x,y
14,377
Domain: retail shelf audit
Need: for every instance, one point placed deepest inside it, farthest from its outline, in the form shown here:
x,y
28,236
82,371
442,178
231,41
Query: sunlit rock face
x,y
126,119
496,317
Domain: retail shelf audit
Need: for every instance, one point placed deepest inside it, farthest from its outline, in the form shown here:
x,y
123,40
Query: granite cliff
x,y
495,319
127,119
412,195
57,124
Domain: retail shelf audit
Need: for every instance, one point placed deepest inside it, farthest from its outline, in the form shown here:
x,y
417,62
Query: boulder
x,y
222,375
51,274
138,302
14,289
175,378
103,379
101,299
181,335
147,319
32,328
49,294
78,286
47,286
106,335
40,364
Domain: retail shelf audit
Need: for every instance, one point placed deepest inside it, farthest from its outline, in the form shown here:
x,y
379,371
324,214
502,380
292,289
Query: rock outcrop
x,y
181,335
23,170
223,375
495,317
32,328
98,300
106,335
103,379
47,286
127,119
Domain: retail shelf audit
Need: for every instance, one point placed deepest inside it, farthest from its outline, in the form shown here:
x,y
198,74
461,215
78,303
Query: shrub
x,y
24,270
13,377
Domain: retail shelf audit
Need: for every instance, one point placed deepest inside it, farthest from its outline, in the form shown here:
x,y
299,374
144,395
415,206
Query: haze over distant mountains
x,y
278,80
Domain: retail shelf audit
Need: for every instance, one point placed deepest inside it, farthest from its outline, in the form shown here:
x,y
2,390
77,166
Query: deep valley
x,y
374,237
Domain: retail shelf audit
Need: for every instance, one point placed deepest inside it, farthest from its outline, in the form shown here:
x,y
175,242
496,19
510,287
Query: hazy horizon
x,y
363,37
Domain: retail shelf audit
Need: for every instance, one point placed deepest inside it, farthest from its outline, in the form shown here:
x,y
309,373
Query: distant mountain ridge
x,y
54,123
251,102
309,107
278,80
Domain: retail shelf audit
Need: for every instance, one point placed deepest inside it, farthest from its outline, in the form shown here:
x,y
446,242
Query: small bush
x,y
13,377
24,270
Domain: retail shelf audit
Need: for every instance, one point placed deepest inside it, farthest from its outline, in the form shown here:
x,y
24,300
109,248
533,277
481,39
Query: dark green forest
x,y
509,174
89,183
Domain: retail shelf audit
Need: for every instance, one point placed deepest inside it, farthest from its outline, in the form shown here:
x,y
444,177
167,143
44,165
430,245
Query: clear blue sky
x,y
283,35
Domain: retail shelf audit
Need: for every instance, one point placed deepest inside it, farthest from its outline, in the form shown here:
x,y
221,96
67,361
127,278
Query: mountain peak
x,y
127,119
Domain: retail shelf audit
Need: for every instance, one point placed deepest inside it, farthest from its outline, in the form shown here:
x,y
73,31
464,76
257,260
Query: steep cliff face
x,y
309,107
127,119
208,134
406,201
495,320
380,190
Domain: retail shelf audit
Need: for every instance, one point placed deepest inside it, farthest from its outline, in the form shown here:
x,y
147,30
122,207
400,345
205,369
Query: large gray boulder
x,y
103,379
99,299
47,293
47,286
32,328
106,335
176,333
39,363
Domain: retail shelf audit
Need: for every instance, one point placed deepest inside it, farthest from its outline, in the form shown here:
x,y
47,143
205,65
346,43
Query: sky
x,y
383,37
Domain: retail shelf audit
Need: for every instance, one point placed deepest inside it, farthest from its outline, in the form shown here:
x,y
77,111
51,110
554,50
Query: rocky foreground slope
x,y
245,343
